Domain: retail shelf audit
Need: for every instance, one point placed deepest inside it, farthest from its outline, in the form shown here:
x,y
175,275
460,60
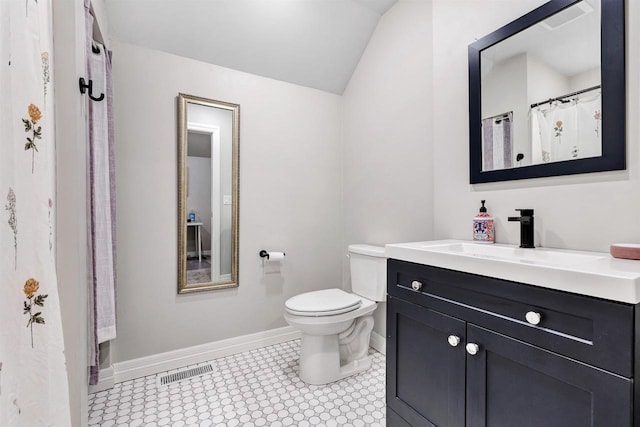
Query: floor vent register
x,y
184,374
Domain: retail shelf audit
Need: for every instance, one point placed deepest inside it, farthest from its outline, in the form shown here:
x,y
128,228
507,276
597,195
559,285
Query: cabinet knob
x,y
416,285
472,348
453,340
533,317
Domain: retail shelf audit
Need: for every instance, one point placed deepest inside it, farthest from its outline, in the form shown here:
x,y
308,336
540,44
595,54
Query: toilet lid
x,y
323,303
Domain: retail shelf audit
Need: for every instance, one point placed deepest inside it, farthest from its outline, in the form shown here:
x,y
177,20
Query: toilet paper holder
x,y
265,254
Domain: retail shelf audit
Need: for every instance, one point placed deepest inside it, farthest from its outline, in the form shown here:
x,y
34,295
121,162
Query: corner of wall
x,y
69,61
387,136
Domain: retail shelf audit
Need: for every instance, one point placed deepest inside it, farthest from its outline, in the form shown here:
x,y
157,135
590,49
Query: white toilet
x,y
336,325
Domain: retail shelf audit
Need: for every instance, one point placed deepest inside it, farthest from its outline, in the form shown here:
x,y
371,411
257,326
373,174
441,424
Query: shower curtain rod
x,y
560,98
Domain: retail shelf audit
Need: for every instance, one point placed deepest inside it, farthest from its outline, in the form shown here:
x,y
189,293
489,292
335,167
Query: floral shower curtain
x,y
567,130
33,376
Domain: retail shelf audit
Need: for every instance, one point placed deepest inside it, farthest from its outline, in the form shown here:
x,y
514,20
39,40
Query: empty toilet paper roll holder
x,y
265,254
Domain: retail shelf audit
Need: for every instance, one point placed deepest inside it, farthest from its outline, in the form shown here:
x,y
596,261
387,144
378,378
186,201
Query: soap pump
x,y
483,226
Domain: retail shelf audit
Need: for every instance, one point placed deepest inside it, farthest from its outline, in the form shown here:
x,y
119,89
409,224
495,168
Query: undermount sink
x,y
596,274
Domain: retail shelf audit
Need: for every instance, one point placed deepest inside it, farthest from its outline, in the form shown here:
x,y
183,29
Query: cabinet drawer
x,y
588,329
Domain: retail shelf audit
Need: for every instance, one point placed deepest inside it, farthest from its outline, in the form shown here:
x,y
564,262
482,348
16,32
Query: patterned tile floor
x,y
255,388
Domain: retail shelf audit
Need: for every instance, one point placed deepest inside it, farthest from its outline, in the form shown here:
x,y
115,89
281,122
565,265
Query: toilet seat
x,y
327,302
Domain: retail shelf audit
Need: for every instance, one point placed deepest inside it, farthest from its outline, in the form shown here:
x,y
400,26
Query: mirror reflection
x,y
208,194
540,92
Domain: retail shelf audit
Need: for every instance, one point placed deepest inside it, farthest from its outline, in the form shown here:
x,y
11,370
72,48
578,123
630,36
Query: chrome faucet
x,y
526,227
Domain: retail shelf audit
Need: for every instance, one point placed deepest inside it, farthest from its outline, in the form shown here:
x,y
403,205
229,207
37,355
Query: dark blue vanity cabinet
x,y
465,351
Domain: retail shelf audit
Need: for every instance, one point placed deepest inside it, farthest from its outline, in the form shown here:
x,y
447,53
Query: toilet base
x,y
328,358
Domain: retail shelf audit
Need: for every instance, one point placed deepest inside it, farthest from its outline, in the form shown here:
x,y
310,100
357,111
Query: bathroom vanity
x,y
497,336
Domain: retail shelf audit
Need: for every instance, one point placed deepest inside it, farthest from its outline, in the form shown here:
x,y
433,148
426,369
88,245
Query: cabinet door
x,y
395,420
512,383
425,374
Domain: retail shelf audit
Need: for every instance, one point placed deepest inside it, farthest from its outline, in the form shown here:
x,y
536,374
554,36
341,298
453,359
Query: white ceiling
x,y
314,43
570,49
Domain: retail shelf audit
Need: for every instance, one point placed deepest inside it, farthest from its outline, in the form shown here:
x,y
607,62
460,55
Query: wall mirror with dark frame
x,y
547,93
208,193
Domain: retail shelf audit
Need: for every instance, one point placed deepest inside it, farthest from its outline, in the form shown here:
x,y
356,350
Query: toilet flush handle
x,y
416,285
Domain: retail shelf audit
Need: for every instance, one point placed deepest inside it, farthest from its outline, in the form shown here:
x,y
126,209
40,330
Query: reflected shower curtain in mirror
x,y
33,374
567,130
101,200
497,142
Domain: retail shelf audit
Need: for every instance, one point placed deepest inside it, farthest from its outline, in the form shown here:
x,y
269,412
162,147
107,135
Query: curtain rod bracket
x,y
84,86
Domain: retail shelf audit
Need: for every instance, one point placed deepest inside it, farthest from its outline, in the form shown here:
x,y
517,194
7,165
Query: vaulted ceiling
x,y
314,43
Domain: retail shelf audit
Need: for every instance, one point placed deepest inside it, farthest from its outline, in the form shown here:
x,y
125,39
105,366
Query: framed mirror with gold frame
x,y
208,193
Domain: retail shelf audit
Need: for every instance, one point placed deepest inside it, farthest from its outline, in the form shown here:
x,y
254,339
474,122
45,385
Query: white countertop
x,y
596,274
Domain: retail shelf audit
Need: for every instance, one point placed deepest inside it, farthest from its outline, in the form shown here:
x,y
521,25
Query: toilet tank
x,y
368,271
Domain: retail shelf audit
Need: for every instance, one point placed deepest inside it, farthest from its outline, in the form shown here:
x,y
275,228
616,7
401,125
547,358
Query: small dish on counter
x,y
625,250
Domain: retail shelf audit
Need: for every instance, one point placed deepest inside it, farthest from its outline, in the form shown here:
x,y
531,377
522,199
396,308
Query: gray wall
x,y
290,180
71,225
387,136
406,143
587,212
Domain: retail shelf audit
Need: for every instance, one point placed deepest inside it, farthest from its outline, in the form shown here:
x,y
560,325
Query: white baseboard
x,y
156,363
378,342
195,253
106,380
162,362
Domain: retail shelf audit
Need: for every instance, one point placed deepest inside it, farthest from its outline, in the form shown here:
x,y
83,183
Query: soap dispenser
x,y
483,226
